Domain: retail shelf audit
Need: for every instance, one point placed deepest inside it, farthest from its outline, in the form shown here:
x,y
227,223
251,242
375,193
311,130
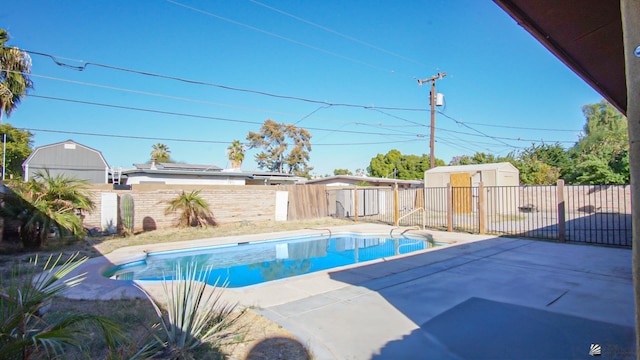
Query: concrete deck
x,y
479,298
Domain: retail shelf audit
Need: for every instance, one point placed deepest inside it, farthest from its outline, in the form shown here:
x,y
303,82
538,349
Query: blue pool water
x,y
258,262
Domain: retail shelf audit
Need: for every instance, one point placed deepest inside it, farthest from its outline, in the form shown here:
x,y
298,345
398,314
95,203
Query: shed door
x,y
461,188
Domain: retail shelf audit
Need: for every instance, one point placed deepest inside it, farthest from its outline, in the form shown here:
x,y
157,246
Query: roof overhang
x,y
586,35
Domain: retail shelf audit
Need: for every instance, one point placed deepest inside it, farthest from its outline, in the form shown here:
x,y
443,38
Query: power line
x,y
521,128
140,92
194,115
260,123
133,137
478,131
179,98
203,83
208,13
327,29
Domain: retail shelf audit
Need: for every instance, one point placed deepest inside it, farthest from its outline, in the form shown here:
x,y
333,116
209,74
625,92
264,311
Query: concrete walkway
x,y
479,298
491,298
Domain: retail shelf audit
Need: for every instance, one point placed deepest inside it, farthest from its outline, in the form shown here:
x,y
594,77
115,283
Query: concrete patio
x,y
484,298
481,297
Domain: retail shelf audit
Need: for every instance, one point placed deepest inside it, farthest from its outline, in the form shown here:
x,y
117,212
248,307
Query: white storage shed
x,y
501,182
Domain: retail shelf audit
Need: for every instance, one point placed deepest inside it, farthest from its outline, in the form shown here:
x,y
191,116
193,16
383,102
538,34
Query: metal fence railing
x,y
592,214
599,214
529,211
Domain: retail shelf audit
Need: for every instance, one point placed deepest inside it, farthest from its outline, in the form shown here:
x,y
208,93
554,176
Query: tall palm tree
x,y
48,205
15,66
195,210
160,152
235,154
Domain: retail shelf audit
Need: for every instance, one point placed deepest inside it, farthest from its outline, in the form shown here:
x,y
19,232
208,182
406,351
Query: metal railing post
x,y
449,207
396,206
482,210
561,211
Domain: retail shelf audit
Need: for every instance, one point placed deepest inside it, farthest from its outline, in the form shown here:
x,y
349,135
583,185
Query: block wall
x,y
228,204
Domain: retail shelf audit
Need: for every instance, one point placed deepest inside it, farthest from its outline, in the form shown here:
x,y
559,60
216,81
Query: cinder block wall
x,y
228,203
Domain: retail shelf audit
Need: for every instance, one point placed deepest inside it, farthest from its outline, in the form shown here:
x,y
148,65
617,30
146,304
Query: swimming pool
x,y
244,264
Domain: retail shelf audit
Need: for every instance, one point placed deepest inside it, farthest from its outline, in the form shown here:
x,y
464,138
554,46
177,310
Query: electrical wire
x,y
193,115
522,128
134,137
203,83
335,32
312,47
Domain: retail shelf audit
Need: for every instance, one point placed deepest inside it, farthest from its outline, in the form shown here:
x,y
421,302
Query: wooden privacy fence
x,y
306,201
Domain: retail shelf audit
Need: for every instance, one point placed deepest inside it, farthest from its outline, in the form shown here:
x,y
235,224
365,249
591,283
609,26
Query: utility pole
x,y
432,101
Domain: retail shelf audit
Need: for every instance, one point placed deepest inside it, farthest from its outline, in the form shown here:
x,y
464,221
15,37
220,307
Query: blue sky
x,y
502,91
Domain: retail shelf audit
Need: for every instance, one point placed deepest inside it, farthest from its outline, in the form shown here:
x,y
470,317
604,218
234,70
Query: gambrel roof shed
x,y
68,158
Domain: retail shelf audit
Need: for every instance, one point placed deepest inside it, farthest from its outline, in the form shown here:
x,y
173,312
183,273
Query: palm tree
x,y
160,152
48,205
15,66
235,154
195,210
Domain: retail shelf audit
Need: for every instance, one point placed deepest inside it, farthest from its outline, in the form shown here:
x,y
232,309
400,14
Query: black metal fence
x,y
592,214
599,214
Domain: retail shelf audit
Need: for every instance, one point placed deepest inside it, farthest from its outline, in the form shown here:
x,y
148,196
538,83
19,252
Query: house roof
x,y
472,168
586,35
68,143
178,167
370,180
205,171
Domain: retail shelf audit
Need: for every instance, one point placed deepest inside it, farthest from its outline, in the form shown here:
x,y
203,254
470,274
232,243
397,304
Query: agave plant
x,y
195,210
195,315
26,330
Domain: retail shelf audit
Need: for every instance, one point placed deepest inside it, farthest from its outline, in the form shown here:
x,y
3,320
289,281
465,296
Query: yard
x,y
137,316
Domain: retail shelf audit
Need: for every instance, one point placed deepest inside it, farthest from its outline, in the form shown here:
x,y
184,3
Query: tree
x,y
540,164
337,172
161,153
395,165
602,155
272,139
15,67
194,210
47,205
235,154
18,148
460,160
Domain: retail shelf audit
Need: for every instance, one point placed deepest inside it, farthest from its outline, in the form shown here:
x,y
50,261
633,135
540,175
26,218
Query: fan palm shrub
x,y
47,205
27,331
194,210
195,314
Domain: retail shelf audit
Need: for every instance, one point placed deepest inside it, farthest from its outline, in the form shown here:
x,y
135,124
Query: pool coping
x,y
98,287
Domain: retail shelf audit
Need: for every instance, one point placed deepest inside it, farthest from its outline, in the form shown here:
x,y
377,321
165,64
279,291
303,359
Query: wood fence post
x,y
355,204
449,207
482,210
561,211
396,206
